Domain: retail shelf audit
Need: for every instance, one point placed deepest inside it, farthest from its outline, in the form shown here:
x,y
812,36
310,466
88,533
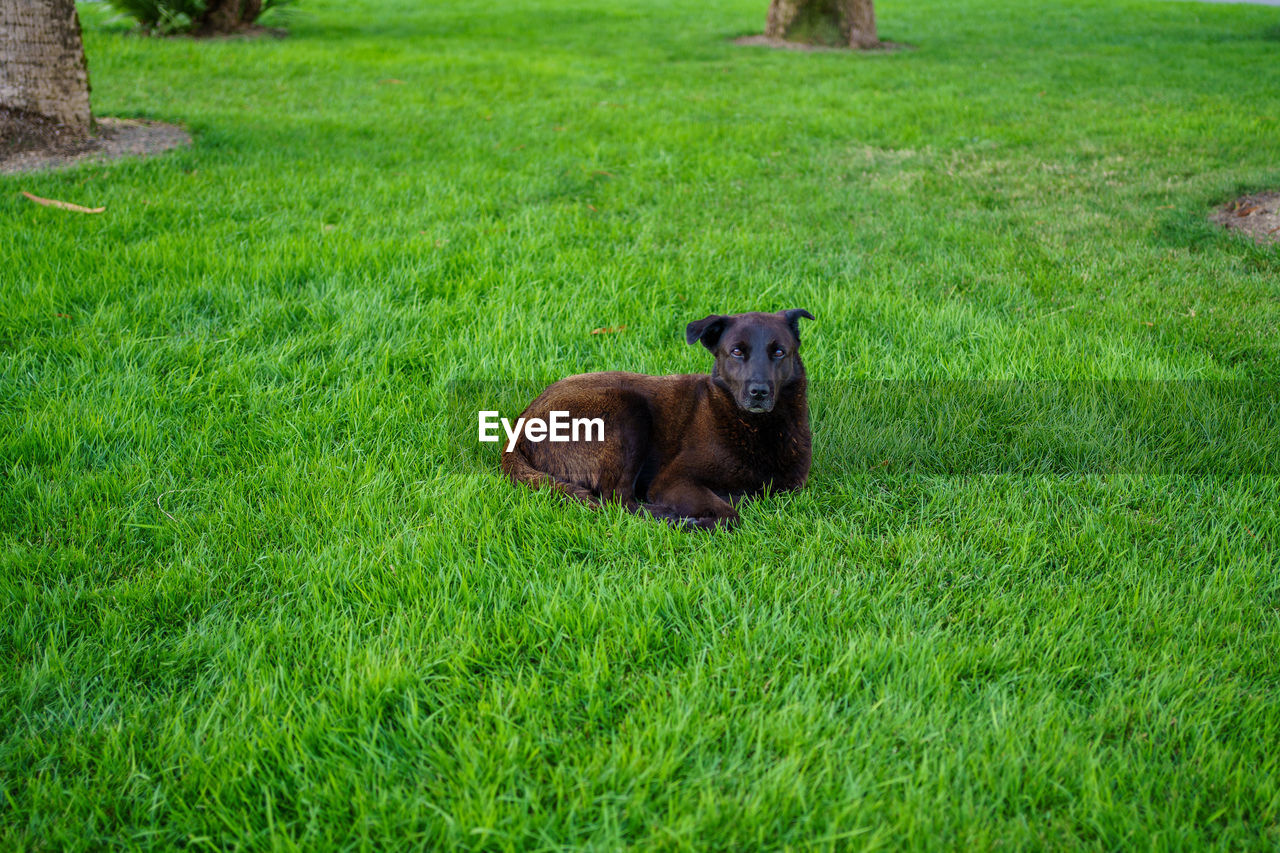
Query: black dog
x,y
684,448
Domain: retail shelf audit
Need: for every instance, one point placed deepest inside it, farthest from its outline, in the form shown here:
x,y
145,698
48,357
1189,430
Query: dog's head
x,y
757,355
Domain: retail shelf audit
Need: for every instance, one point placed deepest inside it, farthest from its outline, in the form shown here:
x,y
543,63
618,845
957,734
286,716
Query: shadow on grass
x,y
967,427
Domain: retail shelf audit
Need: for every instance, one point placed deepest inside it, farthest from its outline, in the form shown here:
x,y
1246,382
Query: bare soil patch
x,y
30,145
783,44
1257,215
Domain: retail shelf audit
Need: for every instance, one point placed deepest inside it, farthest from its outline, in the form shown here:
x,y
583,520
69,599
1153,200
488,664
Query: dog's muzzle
x,y
756,406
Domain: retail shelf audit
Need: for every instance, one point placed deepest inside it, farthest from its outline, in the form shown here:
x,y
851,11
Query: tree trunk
x,y
227,16
847,23
42,67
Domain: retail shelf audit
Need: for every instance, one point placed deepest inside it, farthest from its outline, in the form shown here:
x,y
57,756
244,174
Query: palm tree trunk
x,y
227,16
42,67
848,23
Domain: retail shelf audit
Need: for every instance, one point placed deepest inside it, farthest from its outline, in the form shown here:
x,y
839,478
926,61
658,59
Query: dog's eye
x,y
736,352
777,352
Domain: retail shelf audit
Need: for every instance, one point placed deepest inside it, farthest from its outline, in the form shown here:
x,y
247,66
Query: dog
x,y
685,449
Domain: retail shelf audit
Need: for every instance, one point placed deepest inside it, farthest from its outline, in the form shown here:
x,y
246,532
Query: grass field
x,y
259,587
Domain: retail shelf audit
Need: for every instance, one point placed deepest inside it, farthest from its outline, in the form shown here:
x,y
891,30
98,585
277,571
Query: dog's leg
x,y
685,503
596,472
620,462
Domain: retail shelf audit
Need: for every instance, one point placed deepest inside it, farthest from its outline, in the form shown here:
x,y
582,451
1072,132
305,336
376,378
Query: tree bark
x,y
850,23
42,66
227,16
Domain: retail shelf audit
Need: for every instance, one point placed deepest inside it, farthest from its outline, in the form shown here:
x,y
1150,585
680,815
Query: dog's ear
x,y
793,319
707,330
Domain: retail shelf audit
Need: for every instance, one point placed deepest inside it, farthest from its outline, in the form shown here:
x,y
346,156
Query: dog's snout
x,y
758,390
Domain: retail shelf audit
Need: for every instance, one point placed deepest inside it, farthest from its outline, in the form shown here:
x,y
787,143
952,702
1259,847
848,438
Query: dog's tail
x,y
521,471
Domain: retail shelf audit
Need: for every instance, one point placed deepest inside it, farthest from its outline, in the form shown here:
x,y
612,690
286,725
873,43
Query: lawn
x,y
261,588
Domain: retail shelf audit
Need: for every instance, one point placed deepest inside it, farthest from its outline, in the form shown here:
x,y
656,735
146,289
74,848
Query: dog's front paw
x,y
676,518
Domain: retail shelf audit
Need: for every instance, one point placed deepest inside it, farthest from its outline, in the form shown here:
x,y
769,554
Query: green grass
x,y
259,588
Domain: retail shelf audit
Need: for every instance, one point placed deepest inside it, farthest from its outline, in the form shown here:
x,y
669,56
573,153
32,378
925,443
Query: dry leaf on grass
x,y
62,205
608,330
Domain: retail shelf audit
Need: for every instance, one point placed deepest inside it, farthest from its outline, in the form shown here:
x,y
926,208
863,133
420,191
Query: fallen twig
x,y
62,205
162,509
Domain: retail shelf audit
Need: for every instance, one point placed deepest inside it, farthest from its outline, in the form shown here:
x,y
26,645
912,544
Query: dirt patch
x,y
1257,215
783,44
30,144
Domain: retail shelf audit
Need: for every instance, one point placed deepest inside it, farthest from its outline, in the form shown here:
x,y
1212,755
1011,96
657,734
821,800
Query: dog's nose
x,y
758,392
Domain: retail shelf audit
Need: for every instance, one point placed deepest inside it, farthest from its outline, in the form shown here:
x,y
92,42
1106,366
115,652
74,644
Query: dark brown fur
x,y
684,448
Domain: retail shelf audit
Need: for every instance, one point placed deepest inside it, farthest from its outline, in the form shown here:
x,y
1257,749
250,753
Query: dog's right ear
x,y
707,330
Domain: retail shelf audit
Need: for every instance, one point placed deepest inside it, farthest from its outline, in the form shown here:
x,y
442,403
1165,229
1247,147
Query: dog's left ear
x,y
707,330
793,319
